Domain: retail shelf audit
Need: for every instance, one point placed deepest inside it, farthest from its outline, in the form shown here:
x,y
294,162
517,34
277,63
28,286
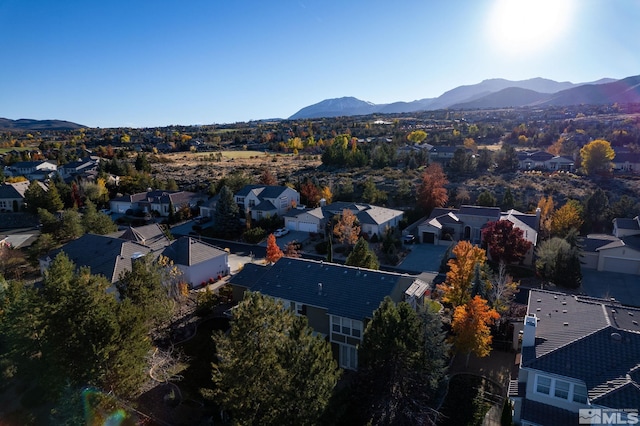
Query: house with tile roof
x,y
619,252
560,163
337,300
533,160
577,353
261,201
79,167
110,255
157,200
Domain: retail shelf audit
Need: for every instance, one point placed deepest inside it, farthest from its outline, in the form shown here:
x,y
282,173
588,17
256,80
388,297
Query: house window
x,y
348,357
284,202
252,203
579,394
561,389
543,385
346,326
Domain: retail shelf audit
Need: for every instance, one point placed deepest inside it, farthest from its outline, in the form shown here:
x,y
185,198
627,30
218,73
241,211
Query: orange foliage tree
x,y
462,270
310,193
470,325
326,194
431,191
267,178
546,206
273,251
347,229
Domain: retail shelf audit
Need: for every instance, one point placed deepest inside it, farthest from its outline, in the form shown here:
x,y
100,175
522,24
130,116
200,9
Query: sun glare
x,y
527,26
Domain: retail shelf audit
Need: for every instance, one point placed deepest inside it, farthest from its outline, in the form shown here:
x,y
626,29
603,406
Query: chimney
x,y
529,333
323,202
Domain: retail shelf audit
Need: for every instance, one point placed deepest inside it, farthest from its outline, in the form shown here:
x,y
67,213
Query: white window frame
x,y
572,396
346,326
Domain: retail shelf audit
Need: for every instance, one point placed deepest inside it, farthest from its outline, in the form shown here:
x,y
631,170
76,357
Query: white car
x,y
280,232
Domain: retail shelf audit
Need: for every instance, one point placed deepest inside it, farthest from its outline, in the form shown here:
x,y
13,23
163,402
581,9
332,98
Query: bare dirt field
x,y
202,167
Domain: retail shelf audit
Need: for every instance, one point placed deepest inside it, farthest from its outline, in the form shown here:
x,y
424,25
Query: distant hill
x,y
37,125
492,93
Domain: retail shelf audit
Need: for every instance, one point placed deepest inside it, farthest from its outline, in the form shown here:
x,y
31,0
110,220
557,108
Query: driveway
x,y
625,288
423,258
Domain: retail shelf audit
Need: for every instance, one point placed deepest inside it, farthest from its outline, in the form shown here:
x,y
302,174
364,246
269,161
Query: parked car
x,y
409,239
280,232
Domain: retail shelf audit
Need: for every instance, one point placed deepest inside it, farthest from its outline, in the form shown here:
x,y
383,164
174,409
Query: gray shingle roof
x,y
265,206
547,415
263,191
346,291
589,339
630,224
480,211
104,255
189,251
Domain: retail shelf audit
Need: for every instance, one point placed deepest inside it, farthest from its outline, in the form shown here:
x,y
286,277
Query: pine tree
x,y
225,217
270,368
362,256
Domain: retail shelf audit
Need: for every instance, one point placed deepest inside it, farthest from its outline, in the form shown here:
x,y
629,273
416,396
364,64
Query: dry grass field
x,y
188,168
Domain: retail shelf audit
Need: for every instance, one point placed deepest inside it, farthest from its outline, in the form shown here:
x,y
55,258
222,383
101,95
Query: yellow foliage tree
x,y
326,194
470,326
566,218
596,156
462,270
547,207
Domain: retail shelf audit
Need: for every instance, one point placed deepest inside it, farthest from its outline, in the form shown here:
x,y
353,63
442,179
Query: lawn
x,y
16,148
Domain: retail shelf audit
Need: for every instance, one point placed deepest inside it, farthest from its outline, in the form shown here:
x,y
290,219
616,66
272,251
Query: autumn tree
x,y
310,193
566,218
267,178
596,156
503,289
417,136
547,207
326,194
271,369
291,249
471,327
505,242
347,229
462,271
362,256
431,191
273,251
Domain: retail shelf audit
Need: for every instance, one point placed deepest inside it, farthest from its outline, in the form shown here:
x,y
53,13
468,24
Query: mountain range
x,y
492,93
37,125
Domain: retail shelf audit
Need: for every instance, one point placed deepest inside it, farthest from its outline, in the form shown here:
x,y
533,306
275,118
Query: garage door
x,y
307,227
428,237
626,266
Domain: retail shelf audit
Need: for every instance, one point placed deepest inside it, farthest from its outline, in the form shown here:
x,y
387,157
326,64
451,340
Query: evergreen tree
x,y
362,256
70,226
95,222
53,202
34,197
559,262
225,218
507,201
402,362
271,369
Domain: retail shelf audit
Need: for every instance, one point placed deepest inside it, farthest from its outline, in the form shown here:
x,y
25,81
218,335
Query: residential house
x,y
442,154
578,353
78,168
197,260
466,223
32,170
559,163
619,252
111,255
156,200
337,300
12,195
537,160
627,162
372,219
261,201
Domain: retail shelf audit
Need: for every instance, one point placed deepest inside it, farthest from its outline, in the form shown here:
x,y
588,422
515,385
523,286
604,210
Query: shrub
x,y
254,235
322,247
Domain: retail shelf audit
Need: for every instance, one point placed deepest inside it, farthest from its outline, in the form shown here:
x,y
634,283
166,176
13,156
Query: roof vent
x,y
538,309
564,311
634,322
564,303
320,288
630,314
539,300
566,324
616,337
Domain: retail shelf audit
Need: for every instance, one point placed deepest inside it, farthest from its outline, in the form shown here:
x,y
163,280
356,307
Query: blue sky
x,y
144,63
